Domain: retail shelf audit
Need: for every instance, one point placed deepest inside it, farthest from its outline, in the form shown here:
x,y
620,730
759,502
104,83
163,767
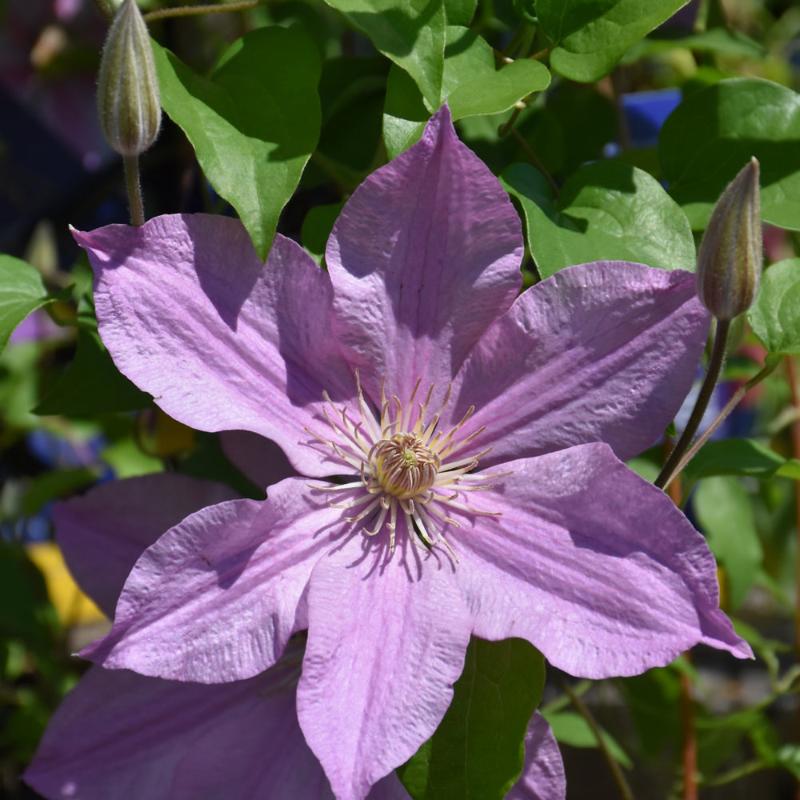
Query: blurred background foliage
x,y
613,139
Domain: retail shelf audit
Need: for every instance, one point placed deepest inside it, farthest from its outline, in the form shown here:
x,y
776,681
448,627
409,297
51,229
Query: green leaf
x,y
558,132
25,609
254,124
788,757
713,133
645,468
404,113
351,92
19,385
460,12
790,469
767,649
317,226
54,485
21,291
606,210
735,457
91,384
717,40
128,460
207,461
590,36
409,32
572,729
653,703
775,315
471,86
725,512
478,751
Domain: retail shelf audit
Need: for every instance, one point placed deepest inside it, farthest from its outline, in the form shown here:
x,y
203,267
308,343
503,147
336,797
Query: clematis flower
x,y
459,450
122,735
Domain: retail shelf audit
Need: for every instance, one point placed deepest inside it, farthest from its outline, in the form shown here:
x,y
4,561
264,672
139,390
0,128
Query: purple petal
x,y
103,532
386,643
222,342
424,256
259,459
543,774
216,598
119,735
592,565
599,352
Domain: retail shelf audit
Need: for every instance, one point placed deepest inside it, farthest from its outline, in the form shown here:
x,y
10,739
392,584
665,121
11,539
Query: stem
x,y
701,404
736,398
791,370
189,11
688,733
134,188
622,121
534,158
506,127
688,739
616,771
737,773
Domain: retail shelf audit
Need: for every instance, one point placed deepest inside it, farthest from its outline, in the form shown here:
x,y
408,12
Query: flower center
x,y
404,466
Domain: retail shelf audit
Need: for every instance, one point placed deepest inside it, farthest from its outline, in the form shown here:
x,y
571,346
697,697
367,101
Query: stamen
x,y
456,446
379,524
440,443
409,409
367,417
401,459
365,512
358,501
337,487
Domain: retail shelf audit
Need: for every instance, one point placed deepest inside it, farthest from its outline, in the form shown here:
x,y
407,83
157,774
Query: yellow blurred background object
x,y
72,605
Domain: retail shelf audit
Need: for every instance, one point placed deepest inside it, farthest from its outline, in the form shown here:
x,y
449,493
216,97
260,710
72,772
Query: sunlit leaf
x,y
21,292
606,210
411,33
590,36
471,86
775,315
254,124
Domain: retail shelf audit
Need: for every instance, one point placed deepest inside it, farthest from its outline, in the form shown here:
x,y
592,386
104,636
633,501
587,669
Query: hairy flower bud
x,y
729,262
127,90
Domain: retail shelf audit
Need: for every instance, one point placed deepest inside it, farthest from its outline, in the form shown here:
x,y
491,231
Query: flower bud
x,y
729,262
127,89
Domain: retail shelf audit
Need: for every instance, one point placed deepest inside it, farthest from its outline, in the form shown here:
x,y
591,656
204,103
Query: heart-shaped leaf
x,y
253,124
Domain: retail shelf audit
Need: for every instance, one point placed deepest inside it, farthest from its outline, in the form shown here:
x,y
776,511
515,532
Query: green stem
x,y
189,11
506,127
529,151
622,120
736,773
700,406
736,398
616,771
134,188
